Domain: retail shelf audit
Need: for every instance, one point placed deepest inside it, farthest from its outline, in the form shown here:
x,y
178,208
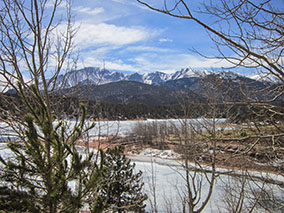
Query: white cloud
x,y
120,65
148,49
110,65
201,62
89,11
89,61
150,62
120,1
126,2
165,40
172,63
50,4
109,34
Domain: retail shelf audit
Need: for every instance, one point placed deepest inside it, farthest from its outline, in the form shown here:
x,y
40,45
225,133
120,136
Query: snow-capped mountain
x,y
99,76
155,77
188,73
157,87
88,75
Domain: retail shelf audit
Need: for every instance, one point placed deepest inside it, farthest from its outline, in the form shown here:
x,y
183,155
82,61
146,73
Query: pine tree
x,y
45,163
14,201
45,172
122,190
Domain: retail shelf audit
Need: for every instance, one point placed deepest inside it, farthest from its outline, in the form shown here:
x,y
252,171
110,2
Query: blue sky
x,y
129,37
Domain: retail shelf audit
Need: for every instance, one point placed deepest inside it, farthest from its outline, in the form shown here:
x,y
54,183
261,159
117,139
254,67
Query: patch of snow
x,y
163,154
148,81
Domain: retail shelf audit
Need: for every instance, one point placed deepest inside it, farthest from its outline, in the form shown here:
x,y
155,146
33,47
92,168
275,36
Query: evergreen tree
x,y
44,171
15,201
45,164
122,188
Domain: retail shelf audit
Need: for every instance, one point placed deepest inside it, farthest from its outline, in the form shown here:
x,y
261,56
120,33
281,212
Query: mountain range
x,y
114,95
159,88
98,76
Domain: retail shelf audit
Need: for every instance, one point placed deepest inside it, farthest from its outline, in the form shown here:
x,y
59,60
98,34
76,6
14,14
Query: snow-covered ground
x,y
167,176
162,154
168,179
169,183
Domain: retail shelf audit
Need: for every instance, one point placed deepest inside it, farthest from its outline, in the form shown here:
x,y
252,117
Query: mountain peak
x,y
97,76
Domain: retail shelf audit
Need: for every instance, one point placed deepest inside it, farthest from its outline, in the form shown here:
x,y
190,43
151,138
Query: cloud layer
x,y
128,38
109,34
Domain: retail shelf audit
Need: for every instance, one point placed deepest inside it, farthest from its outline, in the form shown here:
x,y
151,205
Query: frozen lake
x,y
119,128
168,178
124,127
170,187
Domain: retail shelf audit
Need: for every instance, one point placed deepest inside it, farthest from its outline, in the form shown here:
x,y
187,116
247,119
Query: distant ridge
x,y
99,76
129,92
160,88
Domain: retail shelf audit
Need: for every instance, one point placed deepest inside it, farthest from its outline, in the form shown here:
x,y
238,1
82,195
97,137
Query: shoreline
x,y
267,176
109,142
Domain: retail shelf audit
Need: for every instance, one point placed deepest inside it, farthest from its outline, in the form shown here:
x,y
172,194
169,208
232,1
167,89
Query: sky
x,y
128,37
